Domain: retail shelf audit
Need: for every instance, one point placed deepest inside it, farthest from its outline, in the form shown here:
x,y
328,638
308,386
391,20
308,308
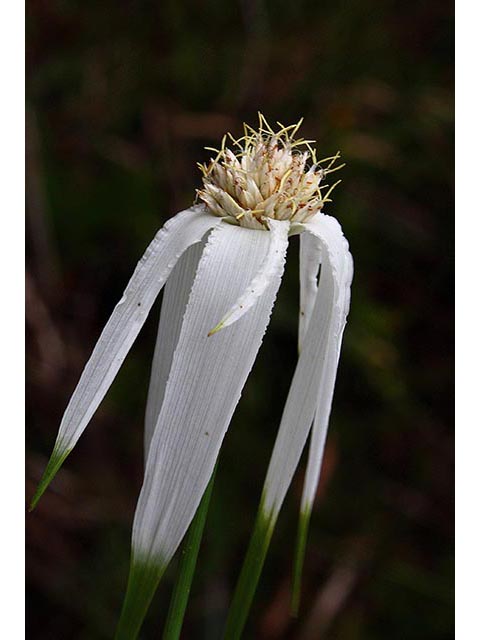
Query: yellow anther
x,y
325,197
294,209
327,170
248,127
282,181
262,119
313,153
297,127
301,141
237,141
202,168
337,155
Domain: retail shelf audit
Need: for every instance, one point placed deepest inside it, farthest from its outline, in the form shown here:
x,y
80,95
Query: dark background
x,y
122,97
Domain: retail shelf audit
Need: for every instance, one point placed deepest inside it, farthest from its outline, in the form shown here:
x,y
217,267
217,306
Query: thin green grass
x,y
249,576
302,533
188,561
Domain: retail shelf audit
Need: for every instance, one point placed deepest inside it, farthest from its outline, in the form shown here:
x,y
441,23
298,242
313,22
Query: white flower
x,y
222,262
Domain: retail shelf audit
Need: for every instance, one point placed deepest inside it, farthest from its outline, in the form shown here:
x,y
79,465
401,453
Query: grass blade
x,y
188,562
302,534
249,576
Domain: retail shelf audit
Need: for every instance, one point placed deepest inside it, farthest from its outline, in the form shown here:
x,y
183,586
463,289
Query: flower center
x,y
270,174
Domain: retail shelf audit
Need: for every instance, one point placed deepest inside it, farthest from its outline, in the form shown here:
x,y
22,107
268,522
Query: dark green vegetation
x,y
122,97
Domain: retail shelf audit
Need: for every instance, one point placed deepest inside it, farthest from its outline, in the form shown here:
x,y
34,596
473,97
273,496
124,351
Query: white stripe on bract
x,y
203,389
310,258
174,303
128,317
272,264
320,424
315,371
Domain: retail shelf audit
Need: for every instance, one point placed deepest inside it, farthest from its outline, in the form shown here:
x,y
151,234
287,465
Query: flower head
x,y
221,274
267,174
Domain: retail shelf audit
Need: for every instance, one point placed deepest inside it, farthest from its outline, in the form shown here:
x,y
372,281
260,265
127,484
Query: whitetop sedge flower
x,y
222,262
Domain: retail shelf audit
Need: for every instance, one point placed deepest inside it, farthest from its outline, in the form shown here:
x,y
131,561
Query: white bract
x,y
222,262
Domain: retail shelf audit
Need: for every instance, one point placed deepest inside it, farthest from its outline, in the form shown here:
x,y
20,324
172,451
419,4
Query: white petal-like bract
x,y
203,389
128,317
271,266
175,298
344,270
310,259
315,373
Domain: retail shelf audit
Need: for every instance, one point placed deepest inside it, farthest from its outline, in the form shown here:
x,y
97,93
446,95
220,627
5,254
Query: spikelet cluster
x,y
269,174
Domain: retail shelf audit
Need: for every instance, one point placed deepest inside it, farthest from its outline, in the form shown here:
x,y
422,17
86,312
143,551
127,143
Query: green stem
x,y
301,543
188,562
249,576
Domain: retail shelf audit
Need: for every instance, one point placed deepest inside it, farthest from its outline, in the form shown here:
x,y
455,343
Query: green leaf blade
x,y
250,575
302,533
188,562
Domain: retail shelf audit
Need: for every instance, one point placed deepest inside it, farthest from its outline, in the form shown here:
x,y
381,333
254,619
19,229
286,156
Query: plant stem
x,y
188,561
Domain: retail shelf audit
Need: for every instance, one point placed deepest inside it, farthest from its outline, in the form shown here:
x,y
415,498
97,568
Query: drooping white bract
x,y
222,262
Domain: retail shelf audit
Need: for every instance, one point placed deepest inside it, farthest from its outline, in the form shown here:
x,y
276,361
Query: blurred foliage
x,y
122,97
